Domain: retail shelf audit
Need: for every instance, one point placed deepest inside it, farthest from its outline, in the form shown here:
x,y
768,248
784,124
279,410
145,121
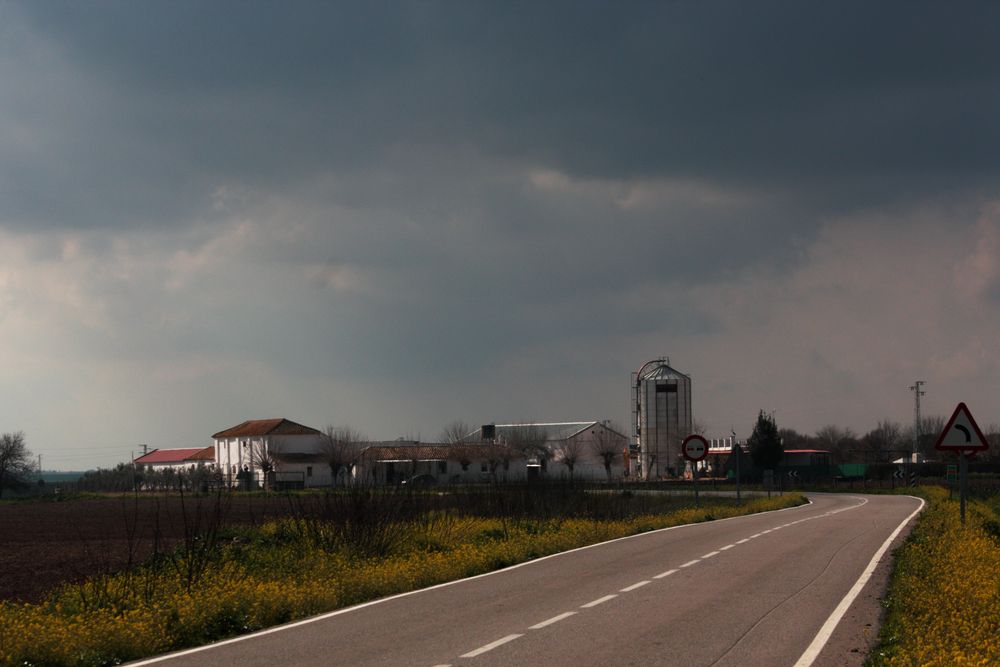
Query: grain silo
x,y
661,417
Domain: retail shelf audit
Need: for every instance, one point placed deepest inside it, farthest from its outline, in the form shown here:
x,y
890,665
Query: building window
x,y
309,471
483,467
442,467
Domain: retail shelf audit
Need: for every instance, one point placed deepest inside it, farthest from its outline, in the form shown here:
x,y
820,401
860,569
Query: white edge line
x,y
594,603
710,554
554,619
665,574
629,589
453,582
813,650
727,547
490,646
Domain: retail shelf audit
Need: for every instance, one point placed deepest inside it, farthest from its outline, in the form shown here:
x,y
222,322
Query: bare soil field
x,y
44,544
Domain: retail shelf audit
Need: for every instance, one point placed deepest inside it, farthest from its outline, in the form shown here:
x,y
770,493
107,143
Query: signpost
x,y
962,435
695,448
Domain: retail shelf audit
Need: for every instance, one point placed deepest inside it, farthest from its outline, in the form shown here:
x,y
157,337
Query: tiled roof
x,y
188,454
258,427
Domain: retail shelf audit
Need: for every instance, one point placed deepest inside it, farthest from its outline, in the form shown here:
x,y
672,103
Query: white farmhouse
x,y
293,452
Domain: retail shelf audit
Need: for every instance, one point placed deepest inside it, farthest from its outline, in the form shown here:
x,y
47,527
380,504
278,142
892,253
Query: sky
x,y
394,215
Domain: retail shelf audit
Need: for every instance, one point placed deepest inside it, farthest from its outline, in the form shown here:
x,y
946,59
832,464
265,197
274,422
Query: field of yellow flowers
x,y
944,599
285,570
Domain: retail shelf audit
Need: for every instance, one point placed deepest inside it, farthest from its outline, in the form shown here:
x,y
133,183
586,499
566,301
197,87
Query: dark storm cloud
x,y
175,99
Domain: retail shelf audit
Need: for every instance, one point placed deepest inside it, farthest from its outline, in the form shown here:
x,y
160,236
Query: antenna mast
x,y
917,393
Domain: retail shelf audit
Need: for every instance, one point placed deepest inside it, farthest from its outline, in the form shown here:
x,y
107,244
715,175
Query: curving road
x,y
782,588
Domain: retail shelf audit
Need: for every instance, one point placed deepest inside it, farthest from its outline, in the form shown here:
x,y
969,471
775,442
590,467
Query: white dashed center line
x,y
634,586
599,601
554,619
640,584
491,646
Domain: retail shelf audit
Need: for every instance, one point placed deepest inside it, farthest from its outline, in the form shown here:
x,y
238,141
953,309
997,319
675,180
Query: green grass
x,y
944,597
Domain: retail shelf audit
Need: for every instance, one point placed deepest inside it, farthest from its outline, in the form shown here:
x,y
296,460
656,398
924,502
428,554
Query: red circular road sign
x,y
694,448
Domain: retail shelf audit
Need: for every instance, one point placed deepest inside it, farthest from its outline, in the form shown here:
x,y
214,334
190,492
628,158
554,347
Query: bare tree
x,y
262,457
792,439
340,449
930,428
608,445
993,440
568,452
456,432
529,441
884,438
15,461
497,454
836,440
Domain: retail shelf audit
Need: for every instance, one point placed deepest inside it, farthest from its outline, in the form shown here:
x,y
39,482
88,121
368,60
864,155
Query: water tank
x,y
661,417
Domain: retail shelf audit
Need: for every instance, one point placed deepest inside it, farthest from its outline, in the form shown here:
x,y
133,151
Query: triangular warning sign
x,y
961,433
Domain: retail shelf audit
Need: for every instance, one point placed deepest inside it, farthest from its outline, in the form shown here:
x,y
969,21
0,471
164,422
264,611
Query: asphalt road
x,y
754,590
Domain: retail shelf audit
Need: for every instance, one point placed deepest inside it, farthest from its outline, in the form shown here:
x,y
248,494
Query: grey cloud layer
x,y
266,207
167,101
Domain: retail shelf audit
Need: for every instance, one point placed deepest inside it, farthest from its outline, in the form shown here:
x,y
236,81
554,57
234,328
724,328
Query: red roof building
x,y
175,457
272,452
261,427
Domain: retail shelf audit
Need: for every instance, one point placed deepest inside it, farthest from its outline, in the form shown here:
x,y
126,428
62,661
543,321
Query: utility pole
x,y
917,393
739,456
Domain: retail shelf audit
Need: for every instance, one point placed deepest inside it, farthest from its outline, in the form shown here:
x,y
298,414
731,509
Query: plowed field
x,y
44,544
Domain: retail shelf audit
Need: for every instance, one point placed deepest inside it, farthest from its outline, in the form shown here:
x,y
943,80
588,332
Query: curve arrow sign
x,y
961,433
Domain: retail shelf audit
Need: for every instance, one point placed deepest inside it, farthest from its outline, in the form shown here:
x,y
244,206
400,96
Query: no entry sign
x,y
694,448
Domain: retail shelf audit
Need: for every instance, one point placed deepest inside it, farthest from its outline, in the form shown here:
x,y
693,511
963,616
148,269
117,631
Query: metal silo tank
x,y
661,417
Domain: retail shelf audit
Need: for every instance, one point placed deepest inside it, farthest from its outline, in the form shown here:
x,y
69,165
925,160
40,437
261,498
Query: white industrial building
x,y
587,450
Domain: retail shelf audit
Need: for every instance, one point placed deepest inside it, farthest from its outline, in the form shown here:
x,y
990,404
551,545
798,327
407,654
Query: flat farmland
x,y
44,544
